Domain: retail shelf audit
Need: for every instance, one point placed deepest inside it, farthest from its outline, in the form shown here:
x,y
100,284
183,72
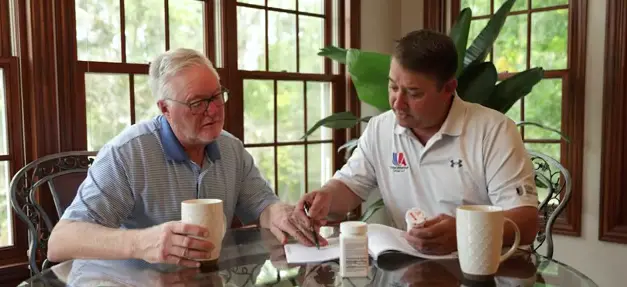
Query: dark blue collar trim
x,y
173,148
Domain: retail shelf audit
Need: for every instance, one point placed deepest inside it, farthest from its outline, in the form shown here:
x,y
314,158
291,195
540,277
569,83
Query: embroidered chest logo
x,y
456,163
399,162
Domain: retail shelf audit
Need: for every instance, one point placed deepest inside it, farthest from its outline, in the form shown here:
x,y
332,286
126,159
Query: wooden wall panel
x,y
613,209
435,15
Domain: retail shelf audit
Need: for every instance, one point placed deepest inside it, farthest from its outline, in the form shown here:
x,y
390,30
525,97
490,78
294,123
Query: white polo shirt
x,y
477,157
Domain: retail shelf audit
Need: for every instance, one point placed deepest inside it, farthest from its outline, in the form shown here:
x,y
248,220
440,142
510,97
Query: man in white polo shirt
x,y
433,151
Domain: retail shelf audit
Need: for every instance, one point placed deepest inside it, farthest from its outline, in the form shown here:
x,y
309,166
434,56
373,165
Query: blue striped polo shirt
x,y
141,176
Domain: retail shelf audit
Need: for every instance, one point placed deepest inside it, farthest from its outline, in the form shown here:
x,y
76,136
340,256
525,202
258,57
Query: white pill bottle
x,y
354,261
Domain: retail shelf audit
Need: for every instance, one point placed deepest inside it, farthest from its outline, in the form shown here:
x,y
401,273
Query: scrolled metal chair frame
x,y
24,187
550,173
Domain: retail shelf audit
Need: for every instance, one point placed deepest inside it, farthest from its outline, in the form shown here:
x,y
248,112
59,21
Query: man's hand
x,y
284,219
172,243
319,202
436,236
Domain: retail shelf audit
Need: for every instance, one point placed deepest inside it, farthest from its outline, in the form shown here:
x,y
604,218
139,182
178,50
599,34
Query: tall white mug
x,y
480,238
208,213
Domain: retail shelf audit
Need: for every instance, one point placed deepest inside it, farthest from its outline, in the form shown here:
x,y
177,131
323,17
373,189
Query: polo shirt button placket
x,y
197,178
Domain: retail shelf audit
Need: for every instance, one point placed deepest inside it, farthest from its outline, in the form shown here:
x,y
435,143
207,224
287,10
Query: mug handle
x,y
516,241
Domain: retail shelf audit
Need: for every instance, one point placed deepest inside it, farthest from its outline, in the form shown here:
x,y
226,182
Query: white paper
x,y
298,253
383,238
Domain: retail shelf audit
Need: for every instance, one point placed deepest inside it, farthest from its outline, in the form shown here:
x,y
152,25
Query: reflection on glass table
x,y
253,257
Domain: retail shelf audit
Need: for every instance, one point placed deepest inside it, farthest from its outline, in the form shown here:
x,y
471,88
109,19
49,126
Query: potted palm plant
x,y
477,78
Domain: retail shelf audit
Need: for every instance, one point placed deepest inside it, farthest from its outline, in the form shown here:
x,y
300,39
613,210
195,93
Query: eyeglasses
x,y
200,106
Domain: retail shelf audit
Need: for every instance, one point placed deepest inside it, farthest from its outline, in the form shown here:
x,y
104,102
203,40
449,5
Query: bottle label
x,y
354,258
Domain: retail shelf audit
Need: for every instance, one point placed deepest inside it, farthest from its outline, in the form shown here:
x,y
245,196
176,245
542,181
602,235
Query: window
x,y
10,153
547,34
115,42
527,40
287,87
266,52
12,239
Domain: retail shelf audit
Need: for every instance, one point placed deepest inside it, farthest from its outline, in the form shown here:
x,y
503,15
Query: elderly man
x,y
433,151
129,206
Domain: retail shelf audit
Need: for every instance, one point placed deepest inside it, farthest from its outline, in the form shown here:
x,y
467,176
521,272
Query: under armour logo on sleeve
x,y
458,163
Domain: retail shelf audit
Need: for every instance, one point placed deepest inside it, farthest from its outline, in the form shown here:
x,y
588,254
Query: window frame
x,y
338,80
79,122
573,105
231,76
15,157
16,253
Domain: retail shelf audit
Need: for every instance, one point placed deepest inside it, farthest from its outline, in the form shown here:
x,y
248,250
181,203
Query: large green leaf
x,y
477,81
481,46
341,120
349,144
459,34
509,91
350,147
372,209
334,53
370,72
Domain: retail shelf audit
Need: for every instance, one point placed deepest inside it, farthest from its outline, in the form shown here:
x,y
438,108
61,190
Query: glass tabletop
x,y
253,257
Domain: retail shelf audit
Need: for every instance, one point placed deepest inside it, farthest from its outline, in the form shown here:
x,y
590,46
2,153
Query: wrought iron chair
x,y
552,176
63,173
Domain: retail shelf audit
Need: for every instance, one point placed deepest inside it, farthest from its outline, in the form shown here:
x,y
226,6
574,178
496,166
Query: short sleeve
x,y
256,194
509,170
358,173
105,196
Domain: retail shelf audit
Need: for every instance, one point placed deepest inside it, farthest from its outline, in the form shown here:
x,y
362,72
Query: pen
x,y
313,231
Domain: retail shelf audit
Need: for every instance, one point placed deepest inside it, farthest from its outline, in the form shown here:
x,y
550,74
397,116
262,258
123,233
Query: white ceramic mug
x,y
480,238
208,213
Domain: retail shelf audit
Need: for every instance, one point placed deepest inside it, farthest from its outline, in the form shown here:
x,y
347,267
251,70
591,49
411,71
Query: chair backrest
x,y
60,174
554,192
64,188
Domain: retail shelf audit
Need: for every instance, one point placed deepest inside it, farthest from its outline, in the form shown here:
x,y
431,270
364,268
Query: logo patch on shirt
x,y
456,163
399,162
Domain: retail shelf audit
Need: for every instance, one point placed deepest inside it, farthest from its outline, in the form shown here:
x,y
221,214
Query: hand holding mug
x,y
208,213
172,243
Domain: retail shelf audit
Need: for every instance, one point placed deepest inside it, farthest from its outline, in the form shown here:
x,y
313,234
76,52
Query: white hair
x,y
168,64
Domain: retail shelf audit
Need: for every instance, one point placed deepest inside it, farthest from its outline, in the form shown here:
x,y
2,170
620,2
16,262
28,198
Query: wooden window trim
x,y
435,15
612,219
17,252
573,105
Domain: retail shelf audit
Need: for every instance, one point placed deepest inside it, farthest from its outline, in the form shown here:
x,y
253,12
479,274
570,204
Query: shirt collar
x,y
173,148
453,125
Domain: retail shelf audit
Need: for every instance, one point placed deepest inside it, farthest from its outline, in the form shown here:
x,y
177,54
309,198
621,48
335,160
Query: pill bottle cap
x,y
414,217
354,227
